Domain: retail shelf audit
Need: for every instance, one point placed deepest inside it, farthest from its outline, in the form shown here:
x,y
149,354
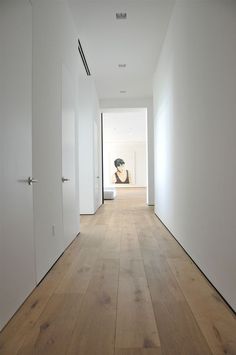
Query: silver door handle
x,y
31,180
98,177
64,179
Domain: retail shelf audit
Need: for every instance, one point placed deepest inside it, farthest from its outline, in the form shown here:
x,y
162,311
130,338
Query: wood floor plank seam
x,y
190,309
156,320
117,301
196,324
81,337
216,331
147,339
83,301
153,302
149,291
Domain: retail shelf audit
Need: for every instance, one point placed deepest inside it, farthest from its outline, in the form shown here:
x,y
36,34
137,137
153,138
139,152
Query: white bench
x,y
109,193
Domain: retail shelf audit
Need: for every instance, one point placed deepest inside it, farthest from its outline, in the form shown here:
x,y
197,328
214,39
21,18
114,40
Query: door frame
x,y
102,158
147,108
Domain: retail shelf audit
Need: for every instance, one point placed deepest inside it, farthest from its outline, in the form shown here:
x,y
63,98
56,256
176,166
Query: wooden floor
x,y
124,287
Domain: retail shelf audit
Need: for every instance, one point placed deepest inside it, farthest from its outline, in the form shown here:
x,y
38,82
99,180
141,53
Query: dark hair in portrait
x,y
118,162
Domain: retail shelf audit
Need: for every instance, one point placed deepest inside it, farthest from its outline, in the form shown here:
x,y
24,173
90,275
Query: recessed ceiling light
x,y
121,15
122,65
122,91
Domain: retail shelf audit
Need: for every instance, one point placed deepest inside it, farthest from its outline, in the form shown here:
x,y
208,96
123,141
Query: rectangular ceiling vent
x,y
81,52
121,15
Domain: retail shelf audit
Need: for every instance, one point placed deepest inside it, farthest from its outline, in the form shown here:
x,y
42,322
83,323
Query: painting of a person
x,y
122,175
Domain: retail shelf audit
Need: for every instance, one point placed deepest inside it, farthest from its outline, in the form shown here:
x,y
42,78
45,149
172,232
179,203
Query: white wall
x,y
139,103
195,125
54,45
88,114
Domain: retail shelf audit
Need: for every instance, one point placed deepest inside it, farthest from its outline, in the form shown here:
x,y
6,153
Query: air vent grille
x,y
86,67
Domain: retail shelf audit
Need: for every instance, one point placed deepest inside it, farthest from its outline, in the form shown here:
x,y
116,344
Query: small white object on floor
x,y
109,193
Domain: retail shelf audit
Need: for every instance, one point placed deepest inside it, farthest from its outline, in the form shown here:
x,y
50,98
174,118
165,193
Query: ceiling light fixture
x,y
122,91
121,15
122,65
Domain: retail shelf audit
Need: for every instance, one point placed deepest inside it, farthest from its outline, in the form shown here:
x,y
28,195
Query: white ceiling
x,y
124,126
136,41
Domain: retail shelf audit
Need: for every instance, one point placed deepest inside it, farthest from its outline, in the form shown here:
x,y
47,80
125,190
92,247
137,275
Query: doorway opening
x,y
124,152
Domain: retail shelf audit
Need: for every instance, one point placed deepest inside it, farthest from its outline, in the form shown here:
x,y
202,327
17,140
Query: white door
x,y
70,216
17,263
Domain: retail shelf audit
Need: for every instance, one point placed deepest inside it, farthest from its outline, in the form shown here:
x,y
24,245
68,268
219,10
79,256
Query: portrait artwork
x,y
123,169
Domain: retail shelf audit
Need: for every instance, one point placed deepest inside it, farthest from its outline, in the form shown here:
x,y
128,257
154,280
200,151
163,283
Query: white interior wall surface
x,y
54,45
195,125
147,103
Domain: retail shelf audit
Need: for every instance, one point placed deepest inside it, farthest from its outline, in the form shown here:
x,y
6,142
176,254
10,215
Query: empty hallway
x,y
124,277
123,287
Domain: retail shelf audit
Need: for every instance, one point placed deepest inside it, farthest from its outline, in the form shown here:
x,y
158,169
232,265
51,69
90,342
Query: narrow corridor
x,y
123,287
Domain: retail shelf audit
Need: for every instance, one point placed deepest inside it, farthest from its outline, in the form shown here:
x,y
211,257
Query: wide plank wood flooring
x,y
123,287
